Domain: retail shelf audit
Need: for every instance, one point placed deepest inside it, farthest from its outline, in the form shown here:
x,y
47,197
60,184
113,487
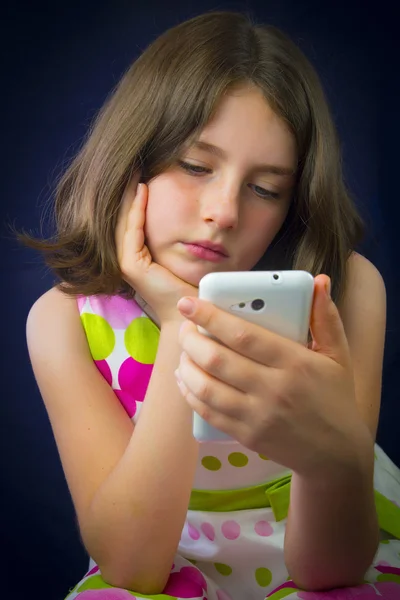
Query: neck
x,y
147,309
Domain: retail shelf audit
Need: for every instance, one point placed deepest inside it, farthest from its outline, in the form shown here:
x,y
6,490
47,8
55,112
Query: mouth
x,y
206,250
219,248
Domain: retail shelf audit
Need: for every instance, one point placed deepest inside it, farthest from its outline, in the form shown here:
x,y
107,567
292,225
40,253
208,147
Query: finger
x,y
219,361
134,232
214,394
329,337
228,425
247,339
126,204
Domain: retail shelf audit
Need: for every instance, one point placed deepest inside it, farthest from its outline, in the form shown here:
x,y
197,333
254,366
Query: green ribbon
x,y
275,494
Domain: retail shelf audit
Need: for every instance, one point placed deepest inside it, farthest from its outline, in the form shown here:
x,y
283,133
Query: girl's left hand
x,y
294,404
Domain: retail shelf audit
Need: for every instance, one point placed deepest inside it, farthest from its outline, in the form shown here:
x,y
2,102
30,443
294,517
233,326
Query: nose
x,y
220,206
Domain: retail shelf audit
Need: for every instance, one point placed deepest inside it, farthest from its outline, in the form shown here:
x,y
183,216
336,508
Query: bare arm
x,y
130,492
332,532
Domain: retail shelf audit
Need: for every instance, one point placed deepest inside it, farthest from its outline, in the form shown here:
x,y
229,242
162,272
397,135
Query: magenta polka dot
x,y
222,595
230,530
183,584
134,377
106,594
104,369
118,311
92,571
127,401
195,575
263,528
208,531
193,532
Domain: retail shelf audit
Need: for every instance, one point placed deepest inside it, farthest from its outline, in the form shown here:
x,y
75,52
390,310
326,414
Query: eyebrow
x,y
274,169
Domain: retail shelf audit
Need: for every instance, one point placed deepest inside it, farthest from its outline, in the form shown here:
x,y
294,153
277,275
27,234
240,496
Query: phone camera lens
x,y
257,304
275,276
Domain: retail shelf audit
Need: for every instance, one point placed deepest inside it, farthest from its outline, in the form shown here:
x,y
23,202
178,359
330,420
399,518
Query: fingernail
x,y
186,306
328,288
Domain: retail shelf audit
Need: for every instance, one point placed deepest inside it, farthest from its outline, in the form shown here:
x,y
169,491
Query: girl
x,y
216,152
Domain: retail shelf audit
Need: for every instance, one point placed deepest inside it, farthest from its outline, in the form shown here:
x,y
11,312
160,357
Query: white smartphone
x,y
280,301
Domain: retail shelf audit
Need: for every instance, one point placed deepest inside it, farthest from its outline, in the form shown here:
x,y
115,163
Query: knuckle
x,y
213,361
242,339
203,411
283,391
204,391
301,370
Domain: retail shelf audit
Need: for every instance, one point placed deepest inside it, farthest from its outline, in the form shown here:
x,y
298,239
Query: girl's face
x,y
218,209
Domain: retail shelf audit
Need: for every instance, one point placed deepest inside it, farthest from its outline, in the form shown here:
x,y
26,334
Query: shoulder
x,y
365,290
363,313
52,318
362,268
49,306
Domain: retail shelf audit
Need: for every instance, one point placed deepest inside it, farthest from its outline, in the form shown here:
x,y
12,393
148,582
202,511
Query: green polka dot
x,y
141,340
96,582
284,593
238,459
389,577
212,463
93,583
263,576
100,336
263,457
223,569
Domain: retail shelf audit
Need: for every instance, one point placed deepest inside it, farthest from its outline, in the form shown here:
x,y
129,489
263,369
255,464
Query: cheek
x,y
263,226
168,208
266,223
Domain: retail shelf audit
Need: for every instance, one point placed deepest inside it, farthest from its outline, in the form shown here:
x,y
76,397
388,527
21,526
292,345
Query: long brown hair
x,y
163,101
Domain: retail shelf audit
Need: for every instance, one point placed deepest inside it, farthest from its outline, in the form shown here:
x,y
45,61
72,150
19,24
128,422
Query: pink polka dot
x,y
127,401
382,563
193,532
134,377
222,595
117,311
230,530
208,531
263,528
81,302
104,369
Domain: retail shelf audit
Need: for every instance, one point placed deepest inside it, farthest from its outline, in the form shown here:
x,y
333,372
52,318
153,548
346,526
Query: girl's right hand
x,y
158,287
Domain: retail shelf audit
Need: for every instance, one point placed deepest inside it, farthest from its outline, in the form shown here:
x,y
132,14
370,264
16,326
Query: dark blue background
x,y
61,61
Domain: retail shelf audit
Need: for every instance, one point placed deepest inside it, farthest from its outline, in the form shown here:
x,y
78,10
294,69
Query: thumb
x,y
326,325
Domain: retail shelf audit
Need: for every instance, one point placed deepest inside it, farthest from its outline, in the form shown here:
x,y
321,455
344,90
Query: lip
x,y
205,250
218,248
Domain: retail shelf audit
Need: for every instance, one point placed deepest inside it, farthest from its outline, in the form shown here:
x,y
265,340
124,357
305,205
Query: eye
x,y
197,170
262,193
193,169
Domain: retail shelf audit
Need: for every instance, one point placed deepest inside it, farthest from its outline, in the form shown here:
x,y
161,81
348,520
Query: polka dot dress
x,y
233,553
